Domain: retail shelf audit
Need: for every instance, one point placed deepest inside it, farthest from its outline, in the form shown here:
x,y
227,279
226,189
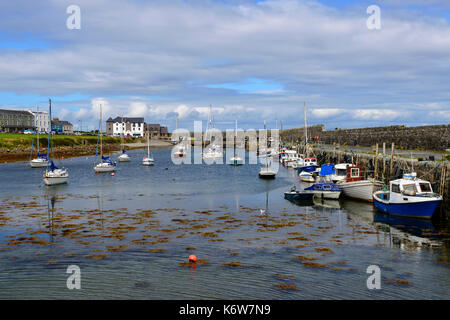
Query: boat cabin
x,y
308,162
409,185
354,173
340,171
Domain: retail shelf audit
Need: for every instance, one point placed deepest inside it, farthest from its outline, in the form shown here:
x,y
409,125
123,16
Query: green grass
x,y
17,140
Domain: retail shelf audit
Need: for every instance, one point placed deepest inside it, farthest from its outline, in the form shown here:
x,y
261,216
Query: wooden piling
x,y
391,166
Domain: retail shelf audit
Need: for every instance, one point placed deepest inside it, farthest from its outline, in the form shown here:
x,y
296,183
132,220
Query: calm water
x,y
131,235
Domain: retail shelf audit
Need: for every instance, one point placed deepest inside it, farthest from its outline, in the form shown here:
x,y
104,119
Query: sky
x,y
253,61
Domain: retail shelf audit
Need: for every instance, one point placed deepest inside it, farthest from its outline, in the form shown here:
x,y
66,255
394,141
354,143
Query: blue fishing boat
x,y
408,197
295,194
325,190
307,165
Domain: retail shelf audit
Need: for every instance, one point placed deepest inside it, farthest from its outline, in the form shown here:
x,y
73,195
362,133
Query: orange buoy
x,y
192,258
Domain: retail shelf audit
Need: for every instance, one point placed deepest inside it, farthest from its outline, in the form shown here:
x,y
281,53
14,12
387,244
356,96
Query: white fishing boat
x,y
105,164
124,157
290,159
354,186
307,176
53,175
408,197
148,160
41,161
213,152
340,172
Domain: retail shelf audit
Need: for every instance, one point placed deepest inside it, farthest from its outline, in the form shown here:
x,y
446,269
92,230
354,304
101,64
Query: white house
x,y
42,121
133,127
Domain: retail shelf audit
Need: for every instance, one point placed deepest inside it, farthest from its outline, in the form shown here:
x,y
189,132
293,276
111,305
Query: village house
x,y
133,127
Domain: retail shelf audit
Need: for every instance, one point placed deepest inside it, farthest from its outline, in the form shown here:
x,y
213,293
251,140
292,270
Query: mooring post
x,y
384,162
376,165
443,179
391,167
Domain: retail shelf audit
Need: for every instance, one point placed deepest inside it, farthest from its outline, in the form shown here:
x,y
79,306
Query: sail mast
x,y
306,130
49,131
35,129
148,144
121,135
101,142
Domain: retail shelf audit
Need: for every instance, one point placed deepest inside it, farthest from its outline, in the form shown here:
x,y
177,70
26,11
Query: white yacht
x,y
41,161
53,175
124,157
148,160
105,164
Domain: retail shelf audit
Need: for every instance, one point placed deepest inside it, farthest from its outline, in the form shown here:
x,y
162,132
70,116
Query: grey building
x,y
61,126
157,131
16,120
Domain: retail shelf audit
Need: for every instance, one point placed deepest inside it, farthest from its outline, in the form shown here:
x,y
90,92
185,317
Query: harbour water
x,y
130,235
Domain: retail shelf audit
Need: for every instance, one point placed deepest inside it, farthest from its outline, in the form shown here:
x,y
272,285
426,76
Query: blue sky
x,y
251,60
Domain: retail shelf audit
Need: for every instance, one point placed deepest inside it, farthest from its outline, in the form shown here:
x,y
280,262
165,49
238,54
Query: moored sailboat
x,y
42,160
105,164
53,175
124,157
148,160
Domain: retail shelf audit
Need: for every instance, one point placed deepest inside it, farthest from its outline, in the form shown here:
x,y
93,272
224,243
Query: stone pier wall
x,y
436,137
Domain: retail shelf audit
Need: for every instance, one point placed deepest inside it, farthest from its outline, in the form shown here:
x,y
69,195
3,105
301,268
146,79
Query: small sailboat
x,y
408,197
266,172
53,175
124,157
105,164
148,160
41,161
236,160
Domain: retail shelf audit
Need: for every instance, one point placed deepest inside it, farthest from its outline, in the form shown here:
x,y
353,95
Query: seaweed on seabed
x,y
234,264
287,286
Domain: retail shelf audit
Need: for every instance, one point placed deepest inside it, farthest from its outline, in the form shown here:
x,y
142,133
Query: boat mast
x,y
148,144
49,131
306,130
101,143
35,129
121,135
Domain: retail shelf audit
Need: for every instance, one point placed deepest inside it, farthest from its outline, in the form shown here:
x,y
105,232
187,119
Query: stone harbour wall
x,y
435,137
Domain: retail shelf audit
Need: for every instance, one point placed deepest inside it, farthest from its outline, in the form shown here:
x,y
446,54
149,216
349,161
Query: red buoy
x,y
192,258
112,174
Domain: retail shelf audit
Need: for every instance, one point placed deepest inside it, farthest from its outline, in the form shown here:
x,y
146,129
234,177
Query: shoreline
x,y
23,154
